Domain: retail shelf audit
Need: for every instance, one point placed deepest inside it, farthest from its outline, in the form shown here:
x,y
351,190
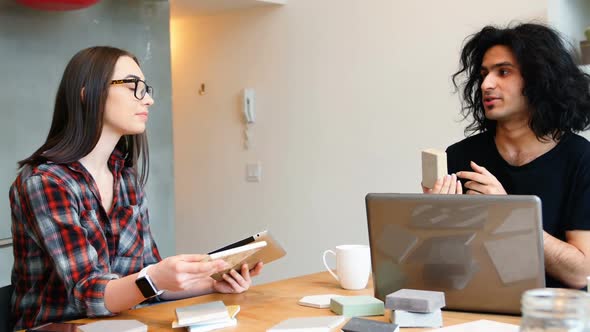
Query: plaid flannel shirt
x,y
67,247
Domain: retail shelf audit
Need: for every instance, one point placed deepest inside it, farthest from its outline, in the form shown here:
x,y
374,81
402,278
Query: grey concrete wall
x,y
34,49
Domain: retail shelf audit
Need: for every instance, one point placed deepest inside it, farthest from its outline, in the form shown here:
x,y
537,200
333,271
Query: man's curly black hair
x,y
557,90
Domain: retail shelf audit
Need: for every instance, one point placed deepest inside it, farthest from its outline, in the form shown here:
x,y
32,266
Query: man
x,y
526,98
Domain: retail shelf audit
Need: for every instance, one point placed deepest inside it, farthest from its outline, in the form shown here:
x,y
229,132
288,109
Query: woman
x,y
82,242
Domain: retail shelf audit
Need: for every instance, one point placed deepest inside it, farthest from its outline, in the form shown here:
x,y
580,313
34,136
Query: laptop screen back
x,y
482,251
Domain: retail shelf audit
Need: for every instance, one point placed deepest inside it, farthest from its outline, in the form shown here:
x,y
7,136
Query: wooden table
x,y
266,305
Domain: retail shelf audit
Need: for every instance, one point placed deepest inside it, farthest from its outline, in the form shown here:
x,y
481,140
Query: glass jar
x,y
555,310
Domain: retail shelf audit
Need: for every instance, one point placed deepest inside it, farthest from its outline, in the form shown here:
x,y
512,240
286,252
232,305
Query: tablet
x,y
271,252
236,257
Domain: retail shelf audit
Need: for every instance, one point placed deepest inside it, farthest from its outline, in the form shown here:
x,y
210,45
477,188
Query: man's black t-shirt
x,y
560,178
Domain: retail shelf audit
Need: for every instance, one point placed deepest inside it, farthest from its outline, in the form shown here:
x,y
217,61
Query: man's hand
x,y
448,184
234,282
481,181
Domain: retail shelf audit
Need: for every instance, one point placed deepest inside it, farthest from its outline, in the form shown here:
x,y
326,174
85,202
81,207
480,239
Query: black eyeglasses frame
x,y
148,89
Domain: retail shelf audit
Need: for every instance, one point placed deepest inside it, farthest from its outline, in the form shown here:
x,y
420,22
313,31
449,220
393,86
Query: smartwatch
x,y
146,285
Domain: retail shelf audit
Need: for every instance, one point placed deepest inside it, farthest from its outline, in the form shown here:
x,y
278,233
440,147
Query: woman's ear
x,y
82,94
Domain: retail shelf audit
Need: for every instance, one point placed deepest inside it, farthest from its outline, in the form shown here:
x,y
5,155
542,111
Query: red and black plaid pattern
x,y
67,247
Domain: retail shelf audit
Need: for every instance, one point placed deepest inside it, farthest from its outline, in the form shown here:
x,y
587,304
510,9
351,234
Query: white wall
x,y
348,93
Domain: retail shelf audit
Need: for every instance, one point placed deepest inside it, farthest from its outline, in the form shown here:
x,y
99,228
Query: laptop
x,y
271,252
482,251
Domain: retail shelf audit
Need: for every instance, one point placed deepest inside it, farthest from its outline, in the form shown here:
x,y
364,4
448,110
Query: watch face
x,y
145,287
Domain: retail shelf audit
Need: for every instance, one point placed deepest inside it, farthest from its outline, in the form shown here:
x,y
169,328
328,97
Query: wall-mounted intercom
x,y
248,107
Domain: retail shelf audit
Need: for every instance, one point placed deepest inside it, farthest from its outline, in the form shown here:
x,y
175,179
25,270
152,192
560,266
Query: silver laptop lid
x,y
482,251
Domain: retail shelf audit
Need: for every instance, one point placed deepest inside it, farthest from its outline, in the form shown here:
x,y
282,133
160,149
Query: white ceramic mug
x,y
353,265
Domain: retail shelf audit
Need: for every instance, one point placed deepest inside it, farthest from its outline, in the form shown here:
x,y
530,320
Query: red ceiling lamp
x,y
57,5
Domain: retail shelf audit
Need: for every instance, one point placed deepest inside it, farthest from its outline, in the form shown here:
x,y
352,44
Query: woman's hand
x,y
184,272
234,282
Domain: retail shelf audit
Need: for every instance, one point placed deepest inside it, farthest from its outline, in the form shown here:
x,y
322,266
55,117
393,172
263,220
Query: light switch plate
x,y
253,172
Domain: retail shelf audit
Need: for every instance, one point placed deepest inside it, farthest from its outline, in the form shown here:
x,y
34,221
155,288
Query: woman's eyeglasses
x,y
140,89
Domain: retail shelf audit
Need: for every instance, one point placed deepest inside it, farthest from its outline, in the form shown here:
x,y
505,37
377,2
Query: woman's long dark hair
x,y
557,90
78,116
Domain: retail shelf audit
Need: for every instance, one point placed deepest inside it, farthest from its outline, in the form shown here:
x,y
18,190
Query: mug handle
x,y
326,264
